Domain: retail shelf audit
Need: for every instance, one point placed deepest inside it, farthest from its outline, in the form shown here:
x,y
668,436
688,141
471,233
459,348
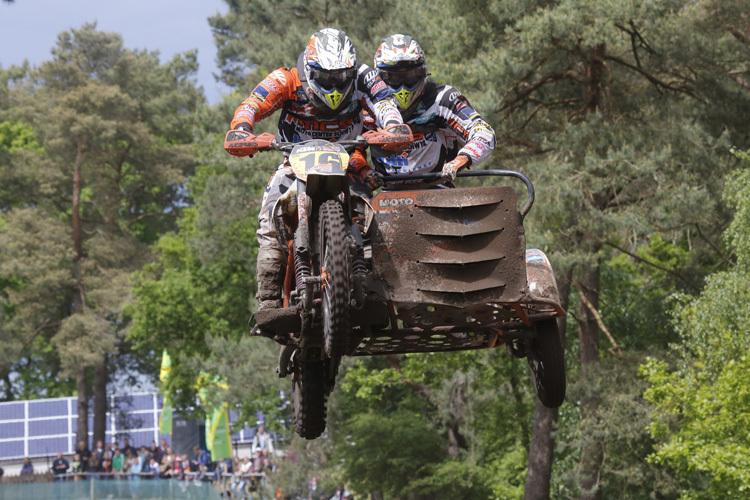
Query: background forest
x,y
126,229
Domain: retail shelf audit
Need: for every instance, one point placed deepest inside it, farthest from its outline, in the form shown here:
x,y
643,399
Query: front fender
x,y
541,278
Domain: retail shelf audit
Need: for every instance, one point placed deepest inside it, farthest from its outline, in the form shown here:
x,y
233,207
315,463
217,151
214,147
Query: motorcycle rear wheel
x,y
546,359
309,398
335,268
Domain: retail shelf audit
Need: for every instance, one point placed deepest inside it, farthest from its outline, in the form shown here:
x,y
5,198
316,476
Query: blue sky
x,y
29,29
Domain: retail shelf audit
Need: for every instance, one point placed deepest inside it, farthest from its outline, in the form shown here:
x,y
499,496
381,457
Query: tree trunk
x,y
542,445
79,298
100,402
82,434
588,335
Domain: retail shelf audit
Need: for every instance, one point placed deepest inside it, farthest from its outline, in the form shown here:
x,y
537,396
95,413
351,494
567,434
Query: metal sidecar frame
x,y
450,271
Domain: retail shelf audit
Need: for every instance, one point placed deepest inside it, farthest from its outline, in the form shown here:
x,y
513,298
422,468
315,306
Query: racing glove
x,y
452,168
394,138
373,180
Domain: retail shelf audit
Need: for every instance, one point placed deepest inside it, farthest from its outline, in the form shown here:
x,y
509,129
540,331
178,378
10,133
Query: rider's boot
x,y
270,268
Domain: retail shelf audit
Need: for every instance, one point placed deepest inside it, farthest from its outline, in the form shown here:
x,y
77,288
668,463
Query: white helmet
x,y
401,64
330,67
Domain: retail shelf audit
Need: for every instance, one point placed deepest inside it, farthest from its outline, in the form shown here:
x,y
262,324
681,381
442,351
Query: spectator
x,y
153,468
342,494
94,466
261,441
163,446
177,468
77,467
199,463
28,468
135,464
156,452
99,454
242,478
126,447
106,465
267,462
118,462
145,460
258,462
85,454
167,463
108,447
60,466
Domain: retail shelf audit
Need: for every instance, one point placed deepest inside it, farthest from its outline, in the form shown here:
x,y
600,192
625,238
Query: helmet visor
x,y
329,79
399,77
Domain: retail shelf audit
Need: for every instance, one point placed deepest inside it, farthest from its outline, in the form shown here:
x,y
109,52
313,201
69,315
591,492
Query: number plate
x,y
318,157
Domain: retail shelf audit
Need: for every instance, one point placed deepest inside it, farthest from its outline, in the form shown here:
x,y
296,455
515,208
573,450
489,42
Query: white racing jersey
x,y
441,117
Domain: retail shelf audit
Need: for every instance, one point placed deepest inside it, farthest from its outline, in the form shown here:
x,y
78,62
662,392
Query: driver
x,y
439,116
322,97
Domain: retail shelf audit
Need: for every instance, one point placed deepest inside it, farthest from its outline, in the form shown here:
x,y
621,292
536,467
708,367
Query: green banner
x,y
165,419
219,435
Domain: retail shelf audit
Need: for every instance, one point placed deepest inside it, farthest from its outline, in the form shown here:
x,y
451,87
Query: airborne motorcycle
x,y
408,270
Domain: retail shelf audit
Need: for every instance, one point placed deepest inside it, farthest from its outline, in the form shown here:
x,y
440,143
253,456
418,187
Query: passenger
x,y
438,115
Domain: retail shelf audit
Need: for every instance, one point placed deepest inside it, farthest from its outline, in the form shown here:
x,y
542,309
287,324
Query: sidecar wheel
x,y
309,398
335,265
546,359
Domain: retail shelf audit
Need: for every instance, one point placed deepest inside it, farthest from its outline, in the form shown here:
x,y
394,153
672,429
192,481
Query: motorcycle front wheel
x,y
335,272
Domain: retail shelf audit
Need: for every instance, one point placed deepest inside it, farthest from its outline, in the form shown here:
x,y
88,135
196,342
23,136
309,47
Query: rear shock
x,y
302,269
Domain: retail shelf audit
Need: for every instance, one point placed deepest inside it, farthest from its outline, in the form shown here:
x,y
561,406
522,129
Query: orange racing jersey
x,y
300,120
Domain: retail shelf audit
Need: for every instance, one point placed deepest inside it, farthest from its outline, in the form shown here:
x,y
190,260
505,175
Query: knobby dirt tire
x,y
546,359
309,398
335,260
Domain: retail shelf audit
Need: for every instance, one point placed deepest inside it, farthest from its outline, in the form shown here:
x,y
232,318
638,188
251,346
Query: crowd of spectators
x,y
234,478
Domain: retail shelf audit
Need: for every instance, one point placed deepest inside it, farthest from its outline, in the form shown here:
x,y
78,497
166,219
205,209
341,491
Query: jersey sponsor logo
x,y
454,95
270,84
318,125
473,150
260,93
452,123
395,162
378,87
249,113
279,75
370,77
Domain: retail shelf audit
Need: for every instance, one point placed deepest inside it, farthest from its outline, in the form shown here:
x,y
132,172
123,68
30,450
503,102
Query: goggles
x,y
334,78
408,77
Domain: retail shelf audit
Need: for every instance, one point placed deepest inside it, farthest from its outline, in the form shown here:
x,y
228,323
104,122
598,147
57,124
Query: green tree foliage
x,y
622,114
703,402
196,300
104,146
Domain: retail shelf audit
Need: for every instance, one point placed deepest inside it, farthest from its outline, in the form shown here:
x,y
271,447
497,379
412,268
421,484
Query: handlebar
x,y
287,147
478,173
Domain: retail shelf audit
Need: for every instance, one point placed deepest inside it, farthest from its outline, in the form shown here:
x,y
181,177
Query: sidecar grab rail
x,y
433,176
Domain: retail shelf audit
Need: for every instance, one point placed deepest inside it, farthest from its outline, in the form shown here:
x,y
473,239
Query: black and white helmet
x,y
330,67
401,64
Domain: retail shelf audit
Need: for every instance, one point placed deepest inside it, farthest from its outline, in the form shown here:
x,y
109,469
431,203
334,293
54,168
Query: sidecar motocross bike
x,y
407,270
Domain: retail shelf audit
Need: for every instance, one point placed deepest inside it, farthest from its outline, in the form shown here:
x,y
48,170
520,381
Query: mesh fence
x,y
143,489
